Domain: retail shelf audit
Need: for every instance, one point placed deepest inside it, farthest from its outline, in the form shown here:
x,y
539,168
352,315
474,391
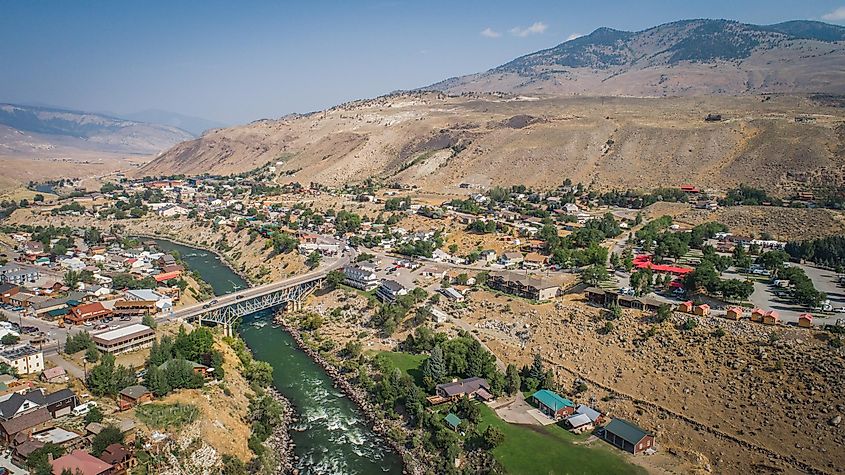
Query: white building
x,y
122,340
25,359
361,277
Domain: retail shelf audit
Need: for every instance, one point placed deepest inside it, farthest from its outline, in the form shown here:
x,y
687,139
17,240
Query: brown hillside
x,y
438,142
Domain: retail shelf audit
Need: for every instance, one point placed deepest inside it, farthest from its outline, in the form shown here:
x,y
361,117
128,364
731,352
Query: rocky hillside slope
x,y
438,142
690,57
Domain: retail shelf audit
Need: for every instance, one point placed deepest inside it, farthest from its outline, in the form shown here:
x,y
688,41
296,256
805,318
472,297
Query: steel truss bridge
x,y
228,309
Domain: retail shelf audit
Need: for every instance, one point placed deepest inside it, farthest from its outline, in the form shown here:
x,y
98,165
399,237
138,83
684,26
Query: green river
x,y
331,436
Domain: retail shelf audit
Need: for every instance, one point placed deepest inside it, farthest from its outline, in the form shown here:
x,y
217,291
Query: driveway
x,y
517,411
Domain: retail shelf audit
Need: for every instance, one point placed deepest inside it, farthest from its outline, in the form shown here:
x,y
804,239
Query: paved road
x,y
192,311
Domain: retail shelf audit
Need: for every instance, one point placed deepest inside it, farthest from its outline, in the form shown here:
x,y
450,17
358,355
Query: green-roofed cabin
x,y
453,421
552,404
628,436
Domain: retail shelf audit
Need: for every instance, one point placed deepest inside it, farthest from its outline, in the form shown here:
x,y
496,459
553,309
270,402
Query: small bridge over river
x,y
227,309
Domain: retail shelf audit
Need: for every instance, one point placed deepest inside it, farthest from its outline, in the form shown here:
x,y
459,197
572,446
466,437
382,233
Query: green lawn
x,y
407,362
551,450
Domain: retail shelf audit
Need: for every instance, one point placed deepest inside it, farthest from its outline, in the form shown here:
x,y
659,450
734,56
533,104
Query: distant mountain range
x,y
194,125
690,57
97,132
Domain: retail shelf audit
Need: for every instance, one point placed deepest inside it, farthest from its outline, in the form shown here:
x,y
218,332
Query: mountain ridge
x,y
685,57
100,131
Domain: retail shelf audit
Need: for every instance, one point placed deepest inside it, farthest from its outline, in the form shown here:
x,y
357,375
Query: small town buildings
x,y
87,312
579,423
469,387
757,315
54,375
24,358
129,338
118,456
25,423
734,313
553,405
309,243
198,368
594,415
7,290
771,317
132,396
81,462
390,290
627,436
362,277
451,294
61,402
134,308
534,260
805,320
509,259
535,288
452,421
702,310
57,436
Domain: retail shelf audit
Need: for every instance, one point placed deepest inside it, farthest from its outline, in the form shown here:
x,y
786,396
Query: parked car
x,y
83,409
87,324
101,326
125,318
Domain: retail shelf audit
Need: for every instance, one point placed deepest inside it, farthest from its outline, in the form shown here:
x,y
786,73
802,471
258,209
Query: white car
x,y
84,408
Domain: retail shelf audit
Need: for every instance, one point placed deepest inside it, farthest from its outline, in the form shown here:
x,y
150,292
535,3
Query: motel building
x,y
126,339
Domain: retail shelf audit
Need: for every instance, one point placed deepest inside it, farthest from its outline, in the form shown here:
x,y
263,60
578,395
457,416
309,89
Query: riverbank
x,y
355,394
280,441
223,258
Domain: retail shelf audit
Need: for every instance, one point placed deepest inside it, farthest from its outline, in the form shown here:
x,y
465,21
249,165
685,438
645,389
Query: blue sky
x,y
239,61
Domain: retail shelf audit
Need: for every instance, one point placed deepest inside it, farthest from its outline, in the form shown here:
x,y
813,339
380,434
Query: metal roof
x,y
552,400
627,431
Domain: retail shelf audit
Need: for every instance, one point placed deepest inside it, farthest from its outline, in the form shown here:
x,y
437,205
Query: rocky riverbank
x,y
280,441
223,258
357,395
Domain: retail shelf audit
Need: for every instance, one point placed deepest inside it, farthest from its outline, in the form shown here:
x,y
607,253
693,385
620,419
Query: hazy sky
x,y
238,61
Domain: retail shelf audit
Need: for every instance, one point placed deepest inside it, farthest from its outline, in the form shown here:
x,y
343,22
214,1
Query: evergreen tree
x,y
536,370
513,381
434,369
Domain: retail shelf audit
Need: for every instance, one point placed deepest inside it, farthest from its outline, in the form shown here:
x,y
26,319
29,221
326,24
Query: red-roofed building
x,y
757,315
771,317
89,311
734,313
685,307
80,461
643,261
805,320
702,310
165,276
689,189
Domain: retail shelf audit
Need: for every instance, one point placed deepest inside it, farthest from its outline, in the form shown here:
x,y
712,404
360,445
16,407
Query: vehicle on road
x,y
239,297
83,409
207,305
213,302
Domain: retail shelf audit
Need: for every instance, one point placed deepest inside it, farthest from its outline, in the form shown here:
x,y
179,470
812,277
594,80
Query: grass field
x,y
411,364
551,450
167,416
534,450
